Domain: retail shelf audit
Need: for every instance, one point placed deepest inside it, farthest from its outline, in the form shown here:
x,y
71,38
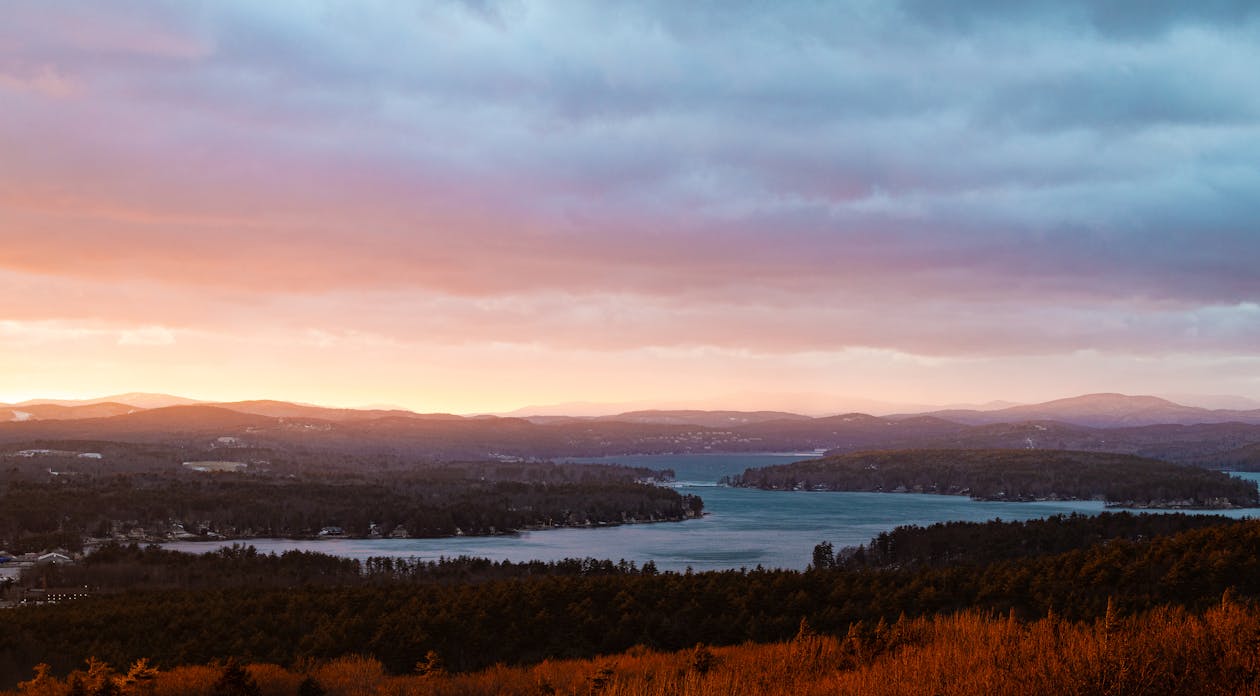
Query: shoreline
x,y
1122,505
220,539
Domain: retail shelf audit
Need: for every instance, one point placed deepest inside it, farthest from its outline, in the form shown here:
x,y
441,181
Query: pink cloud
x,y
247,170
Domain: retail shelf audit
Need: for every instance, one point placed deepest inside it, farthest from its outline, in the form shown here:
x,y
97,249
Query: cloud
x,y
1124,19
44,332
966,179
147,336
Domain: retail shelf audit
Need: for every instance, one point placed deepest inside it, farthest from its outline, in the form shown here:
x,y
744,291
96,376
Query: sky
x,y
476,206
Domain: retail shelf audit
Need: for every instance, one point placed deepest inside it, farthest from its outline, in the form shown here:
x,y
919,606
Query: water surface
x,y
743,527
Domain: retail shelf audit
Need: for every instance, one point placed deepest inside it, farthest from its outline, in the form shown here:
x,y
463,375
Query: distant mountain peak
x,y
1104,409
142,400
1108,398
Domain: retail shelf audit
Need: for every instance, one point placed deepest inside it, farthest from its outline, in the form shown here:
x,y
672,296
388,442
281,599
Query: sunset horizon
x,y
864,200
816,405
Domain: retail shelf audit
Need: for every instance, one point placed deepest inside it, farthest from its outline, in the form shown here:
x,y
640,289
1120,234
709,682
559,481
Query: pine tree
x,y
432,665
824,556
311,687
235,681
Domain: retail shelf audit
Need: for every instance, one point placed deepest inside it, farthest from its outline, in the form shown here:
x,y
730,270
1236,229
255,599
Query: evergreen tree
x,y
311,687
824,556
235,681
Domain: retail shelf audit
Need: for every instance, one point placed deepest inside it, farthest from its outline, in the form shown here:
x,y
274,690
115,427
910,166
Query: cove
x,y
742,527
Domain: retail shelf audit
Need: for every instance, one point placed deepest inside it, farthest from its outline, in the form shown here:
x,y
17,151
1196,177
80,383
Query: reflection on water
x,y
743,527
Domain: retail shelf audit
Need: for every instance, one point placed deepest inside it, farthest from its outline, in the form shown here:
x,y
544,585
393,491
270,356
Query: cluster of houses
x,y
12,594
27,560
56,453
374,532
130,531
216,465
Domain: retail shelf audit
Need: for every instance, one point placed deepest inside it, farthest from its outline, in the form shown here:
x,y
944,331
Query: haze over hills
x,y
814,404
1104,411
294,428
711,419
1213,401
133,399
285,409
59,412
68,409
155,423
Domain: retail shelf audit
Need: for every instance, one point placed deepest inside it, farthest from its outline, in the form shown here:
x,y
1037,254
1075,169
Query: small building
x,y
55,595
215,466
65,594
55,558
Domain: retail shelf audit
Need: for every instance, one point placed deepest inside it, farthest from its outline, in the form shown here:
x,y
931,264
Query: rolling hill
x,y
1104,411
996,474
62,412
1058,425
708,419
132,399
285,409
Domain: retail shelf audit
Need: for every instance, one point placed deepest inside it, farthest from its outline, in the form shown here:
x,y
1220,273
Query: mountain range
x,y
1103,411
1090,410
1143,425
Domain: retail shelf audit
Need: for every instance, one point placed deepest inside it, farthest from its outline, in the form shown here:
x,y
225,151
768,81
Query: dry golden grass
x,y
1168,651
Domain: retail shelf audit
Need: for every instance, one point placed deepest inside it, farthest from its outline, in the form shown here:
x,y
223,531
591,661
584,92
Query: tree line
x,y
1012,475
531,617
446,501
115,567
1166,651
979,543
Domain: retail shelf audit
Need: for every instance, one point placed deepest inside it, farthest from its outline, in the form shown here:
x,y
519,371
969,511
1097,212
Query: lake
x,y
743,527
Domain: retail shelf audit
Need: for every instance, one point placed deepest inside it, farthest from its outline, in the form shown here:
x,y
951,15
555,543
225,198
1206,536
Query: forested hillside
x,y
531,617
979,543
1168,651
310,441
1011,475
443,501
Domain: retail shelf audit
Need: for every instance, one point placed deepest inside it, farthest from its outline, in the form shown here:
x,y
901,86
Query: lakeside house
x,y
207,466
54,595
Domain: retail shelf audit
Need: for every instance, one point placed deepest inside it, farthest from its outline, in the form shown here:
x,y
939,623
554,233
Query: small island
x,y
1121,480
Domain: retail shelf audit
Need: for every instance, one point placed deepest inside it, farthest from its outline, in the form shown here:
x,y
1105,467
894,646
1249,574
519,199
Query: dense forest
x,y
117,567
76,458
473,499
1167,651
1012,475
979,543
526,616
